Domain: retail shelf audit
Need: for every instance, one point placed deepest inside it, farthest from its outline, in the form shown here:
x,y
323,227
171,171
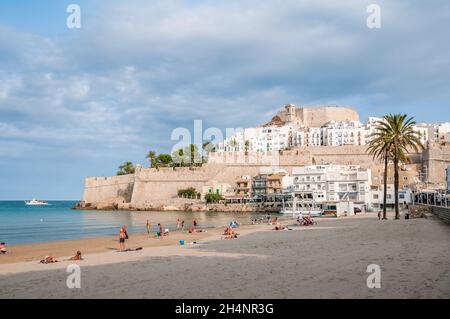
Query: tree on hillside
x,y
126,168
393,139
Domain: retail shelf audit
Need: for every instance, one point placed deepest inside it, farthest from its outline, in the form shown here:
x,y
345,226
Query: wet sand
x,y
325,261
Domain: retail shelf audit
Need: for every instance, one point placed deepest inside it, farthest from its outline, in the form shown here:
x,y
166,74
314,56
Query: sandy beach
x,y
325,261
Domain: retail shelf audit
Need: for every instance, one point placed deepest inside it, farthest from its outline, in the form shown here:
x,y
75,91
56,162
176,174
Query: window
x,y
375,196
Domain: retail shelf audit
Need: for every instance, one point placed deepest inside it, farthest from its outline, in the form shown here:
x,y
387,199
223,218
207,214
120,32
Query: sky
x,y
79,102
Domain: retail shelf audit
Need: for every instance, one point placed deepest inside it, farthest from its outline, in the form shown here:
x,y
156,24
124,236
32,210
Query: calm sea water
x,y
58,221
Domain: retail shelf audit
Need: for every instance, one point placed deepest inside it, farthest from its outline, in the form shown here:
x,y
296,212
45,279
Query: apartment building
x,y
331,183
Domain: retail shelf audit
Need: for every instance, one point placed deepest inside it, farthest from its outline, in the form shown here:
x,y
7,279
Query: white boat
x,y
36,202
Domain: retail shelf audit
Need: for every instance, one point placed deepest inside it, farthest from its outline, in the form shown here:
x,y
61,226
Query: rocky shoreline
x,y
183,207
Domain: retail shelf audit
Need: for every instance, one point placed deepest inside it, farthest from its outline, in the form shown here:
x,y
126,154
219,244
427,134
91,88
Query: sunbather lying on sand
x,y
281,227
195,230
77,256
229,233
48,260
3,249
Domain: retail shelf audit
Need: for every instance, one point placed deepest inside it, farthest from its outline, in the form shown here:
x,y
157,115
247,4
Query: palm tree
x,y
379,148
246,146
206,146
394,138
178,157
126,168
152,157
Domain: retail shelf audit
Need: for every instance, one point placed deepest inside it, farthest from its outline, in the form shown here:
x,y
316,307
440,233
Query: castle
x,y
150,187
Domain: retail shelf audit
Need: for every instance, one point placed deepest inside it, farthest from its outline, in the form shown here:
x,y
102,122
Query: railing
x,y
432,199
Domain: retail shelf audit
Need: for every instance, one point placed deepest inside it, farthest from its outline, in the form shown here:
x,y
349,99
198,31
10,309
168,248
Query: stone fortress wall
x,y
150,186
316,116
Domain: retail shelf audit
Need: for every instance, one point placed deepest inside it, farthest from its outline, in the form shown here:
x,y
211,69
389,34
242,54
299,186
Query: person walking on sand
x,y
178,224
160,231
182,225
124,228
122,237
148,226
194,223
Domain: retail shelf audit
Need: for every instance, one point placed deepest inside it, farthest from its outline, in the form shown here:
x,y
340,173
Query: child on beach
x,y
160,233
3,249
122,237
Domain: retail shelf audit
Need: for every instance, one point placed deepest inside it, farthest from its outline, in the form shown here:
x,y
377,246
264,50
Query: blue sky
x,y
76,103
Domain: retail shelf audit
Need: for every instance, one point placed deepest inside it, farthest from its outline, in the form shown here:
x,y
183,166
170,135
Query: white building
x,y
259,139
344,133
376,195
323,186
277,136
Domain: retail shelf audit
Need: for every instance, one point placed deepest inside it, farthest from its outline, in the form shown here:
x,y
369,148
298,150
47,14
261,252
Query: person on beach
x,y
178,224
122,237
160,233
124,228
182,225
229,233
3,249
194,223
77,256
48,260
194,230
148,226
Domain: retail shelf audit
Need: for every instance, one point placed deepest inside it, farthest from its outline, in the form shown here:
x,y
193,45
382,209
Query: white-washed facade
x,y
334,133
331,183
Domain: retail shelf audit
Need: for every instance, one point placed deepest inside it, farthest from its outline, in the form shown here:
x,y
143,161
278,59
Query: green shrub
x,y
213,198
188,192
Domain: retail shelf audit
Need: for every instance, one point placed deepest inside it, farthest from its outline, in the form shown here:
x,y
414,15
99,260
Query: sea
x,y
22,224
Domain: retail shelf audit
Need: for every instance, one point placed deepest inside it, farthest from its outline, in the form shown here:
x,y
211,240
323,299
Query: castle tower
x,y
290,113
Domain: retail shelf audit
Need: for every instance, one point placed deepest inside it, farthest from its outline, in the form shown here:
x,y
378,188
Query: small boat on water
x,y
36,202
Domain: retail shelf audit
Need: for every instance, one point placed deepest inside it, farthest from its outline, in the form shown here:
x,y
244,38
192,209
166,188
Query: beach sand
x,y
325,261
